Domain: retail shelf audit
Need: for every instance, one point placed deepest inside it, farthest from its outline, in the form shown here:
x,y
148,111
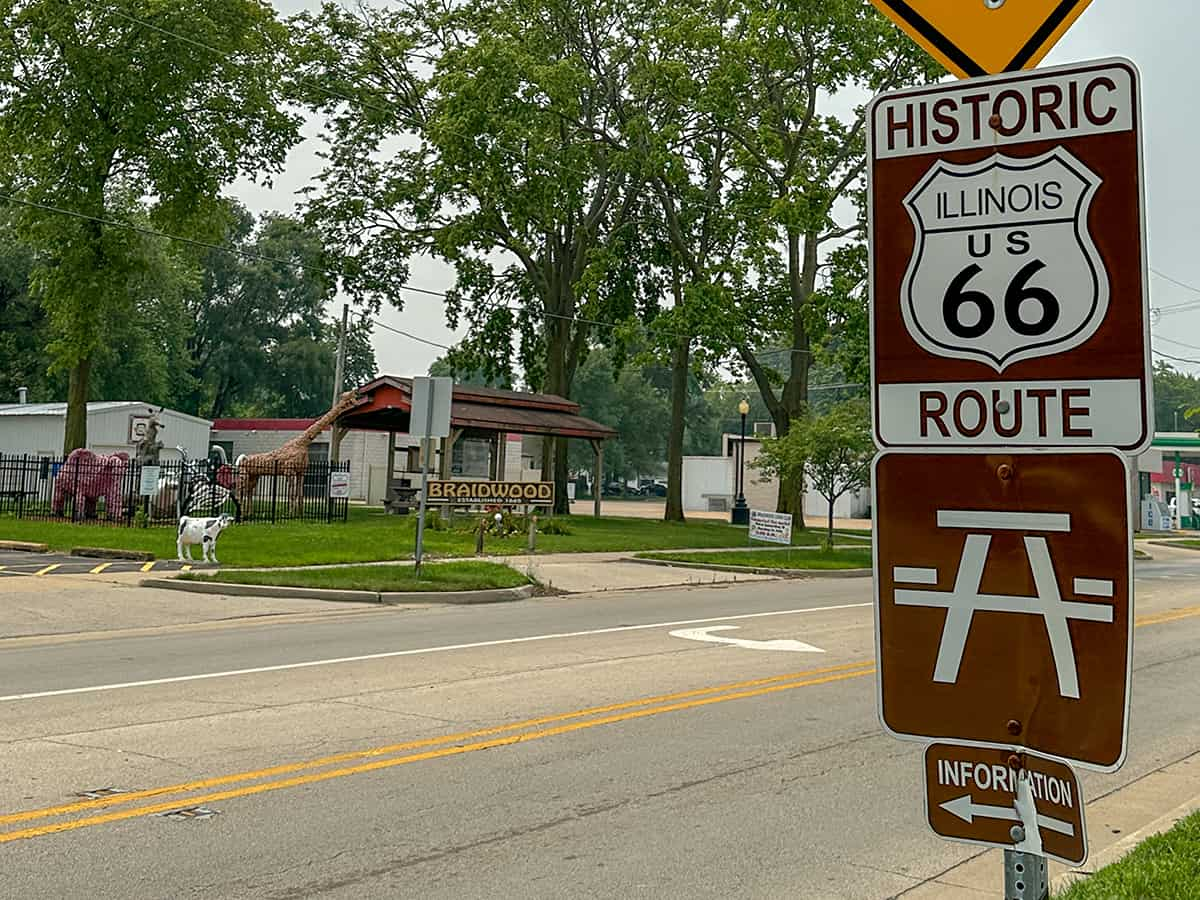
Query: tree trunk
x,y
75,435
679,390
793,400
558,338
562,500
830,534
791,498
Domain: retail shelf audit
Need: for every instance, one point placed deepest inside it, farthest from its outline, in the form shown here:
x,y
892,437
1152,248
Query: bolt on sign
x,y
1003,589
1009,305
992,796
535,492
982,37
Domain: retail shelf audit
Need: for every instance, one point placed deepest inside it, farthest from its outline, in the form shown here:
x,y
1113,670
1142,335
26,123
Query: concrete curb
x,y
24,547
500,595
754,570
1124,846
109,553
1175,544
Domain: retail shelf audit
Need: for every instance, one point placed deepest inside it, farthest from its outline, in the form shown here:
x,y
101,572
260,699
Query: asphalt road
x,y
561,747
45,564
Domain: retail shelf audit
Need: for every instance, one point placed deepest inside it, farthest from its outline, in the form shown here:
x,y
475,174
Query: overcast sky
x,y
1162,43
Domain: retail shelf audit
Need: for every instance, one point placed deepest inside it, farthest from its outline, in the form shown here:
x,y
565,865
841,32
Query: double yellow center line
x,y
326,768
377,758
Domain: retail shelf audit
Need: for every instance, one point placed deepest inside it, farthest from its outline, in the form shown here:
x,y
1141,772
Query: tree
x,y
1176,398
628,401
22,321
447,367
262,343
782,69
103,107
833,451
489,159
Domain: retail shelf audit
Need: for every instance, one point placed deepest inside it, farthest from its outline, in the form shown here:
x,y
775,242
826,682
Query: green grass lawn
x,y
774,559
370,536
1189,545
1164,867
452,576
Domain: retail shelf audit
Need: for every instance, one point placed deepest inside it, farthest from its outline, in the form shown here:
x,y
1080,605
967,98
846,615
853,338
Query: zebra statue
x,y
207,485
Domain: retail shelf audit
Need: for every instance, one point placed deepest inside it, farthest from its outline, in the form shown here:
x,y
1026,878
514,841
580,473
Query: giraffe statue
x,y
289,460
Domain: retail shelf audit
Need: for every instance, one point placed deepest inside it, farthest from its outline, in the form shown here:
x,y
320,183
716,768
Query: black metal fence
x,y
110,490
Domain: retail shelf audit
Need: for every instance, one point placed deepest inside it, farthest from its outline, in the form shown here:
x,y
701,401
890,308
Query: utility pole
x,y
339,375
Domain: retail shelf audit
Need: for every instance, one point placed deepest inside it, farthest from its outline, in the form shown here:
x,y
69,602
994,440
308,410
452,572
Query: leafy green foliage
x,y
261,342
833,451
1176,399
628,402
104,116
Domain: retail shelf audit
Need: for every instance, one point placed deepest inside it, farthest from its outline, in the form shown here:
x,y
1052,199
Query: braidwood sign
x,y
539,492
1008,285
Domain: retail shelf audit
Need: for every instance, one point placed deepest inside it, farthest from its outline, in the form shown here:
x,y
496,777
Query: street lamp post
x,y
740,515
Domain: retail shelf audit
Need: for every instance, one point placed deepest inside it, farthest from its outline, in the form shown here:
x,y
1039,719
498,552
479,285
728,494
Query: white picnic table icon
x,y
964,599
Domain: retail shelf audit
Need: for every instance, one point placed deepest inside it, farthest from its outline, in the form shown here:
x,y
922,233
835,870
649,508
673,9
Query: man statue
x,y
149,447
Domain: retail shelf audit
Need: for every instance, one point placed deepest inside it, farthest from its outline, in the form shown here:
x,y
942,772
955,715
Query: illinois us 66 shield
x,y
1009,304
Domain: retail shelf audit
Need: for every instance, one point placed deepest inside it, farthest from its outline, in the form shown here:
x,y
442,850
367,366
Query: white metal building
x,y
709,483
38,429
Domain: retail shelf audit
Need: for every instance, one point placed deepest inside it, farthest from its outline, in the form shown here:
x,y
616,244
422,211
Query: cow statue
x,y
202,531
88,477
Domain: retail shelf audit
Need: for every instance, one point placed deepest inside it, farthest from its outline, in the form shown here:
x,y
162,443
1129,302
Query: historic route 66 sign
x,y
1005,268
1008,295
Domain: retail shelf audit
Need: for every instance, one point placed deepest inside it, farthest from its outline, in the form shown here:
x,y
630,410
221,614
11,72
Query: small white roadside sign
x,y
148,484
339,485
776,528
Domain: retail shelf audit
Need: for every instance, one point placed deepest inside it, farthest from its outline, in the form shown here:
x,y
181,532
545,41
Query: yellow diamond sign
x,y
984,37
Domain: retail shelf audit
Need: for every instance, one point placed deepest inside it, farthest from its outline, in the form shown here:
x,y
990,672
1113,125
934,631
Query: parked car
x,y
654,489
614,489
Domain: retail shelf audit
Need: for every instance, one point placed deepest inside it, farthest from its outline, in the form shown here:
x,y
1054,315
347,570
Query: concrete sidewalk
x,y
593,573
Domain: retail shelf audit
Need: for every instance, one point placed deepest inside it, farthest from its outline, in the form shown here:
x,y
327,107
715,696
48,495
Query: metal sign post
x,y
429,418
1010,379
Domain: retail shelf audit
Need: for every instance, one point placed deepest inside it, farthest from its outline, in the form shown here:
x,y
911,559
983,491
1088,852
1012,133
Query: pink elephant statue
x,y
87,477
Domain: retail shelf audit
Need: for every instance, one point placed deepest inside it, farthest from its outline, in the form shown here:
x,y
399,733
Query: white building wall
x,y
32,435
706,477
851,505
41,434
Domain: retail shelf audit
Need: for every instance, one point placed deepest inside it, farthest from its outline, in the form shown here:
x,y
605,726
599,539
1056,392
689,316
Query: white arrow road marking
x,y
965,809
705,634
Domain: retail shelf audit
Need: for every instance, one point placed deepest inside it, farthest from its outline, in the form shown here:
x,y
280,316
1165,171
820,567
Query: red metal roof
x,y
387,402
262,424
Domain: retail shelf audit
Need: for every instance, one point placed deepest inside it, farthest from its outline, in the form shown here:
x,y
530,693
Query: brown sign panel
x,y
974,794
1003,600
539,493
1009,305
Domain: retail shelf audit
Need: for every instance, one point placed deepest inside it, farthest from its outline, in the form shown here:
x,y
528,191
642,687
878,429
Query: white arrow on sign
x,y
967,810
705,634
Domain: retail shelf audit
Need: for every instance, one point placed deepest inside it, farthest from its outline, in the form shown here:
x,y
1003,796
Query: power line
x,y
393,110
1194,362
195,242
1176,343
410,335
203,46
1175,281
